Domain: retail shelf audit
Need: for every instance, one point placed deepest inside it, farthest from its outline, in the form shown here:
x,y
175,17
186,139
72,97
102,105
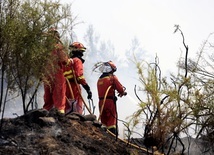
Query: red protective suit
x,y
54,82
109,113
77,66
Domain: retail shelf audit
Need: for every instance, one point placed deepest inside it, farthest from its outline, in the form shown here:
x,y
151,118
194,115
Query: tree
x,y
202,70
169,108
24,45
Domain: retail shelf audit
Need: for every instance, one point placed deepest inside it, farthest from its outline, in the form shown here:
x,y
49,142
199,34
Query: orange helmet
x,y
113,66
108,67
77,46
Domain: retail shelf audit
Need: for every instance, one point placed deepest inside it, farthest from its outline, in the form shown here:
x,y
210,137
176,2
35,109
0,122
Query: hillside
x,y
48,133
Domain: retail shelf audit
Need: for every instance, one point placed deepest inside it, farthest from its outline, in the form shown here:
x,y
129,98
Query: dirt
x,y
40,132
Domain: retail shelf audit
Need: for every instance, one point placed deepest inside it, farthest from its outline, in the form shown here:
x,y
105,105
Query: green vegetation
x,y
24,45
172,107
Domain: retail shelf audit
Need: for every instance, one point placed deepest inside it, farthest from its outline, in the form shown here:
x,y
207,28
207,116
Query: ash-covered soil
x,y
40,132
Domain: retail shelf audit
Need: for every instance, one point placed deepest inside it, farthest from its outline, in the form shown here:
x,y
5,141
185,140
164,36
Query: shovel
x,y
71,101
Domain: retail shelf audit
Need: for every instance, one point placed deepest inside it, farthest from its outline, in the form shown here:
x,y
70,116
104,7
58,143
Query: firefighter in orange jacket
x,y
107,84
54,81
74,73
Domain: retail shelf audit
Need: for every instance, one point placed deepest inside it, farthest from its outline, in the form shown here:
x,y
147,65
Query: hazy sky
x,y
152,22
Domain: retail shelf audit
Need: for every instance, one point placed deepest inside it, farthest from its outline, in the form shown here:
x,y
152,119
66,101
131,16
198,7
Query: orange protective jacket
x,y
54,82
74,69
108,115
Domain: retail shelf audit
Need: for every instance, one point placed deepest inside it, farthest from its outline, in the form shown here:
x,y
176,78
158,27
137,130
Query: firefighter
x,y
54,81
74,73
107,85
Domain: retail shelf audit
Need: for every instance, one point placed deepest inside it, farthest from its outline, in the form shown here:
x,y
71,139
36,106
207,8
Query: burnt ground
x,y
40,132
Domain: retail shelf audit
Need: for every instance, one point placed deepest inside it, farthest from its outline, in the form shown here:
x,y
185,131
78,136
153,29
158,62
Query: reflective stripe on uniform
x,y
100,82
80,77
68,74
112,126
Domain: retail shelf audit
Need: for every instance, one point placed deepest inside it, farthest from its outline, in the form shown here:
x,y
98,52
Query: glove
x,y
89,94
87,88
124,94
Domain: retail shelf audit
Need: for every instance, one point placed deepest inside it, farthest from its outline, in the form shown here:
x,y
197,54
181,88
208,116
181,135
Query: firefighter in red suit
x,y
54,81
107,97
74,73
